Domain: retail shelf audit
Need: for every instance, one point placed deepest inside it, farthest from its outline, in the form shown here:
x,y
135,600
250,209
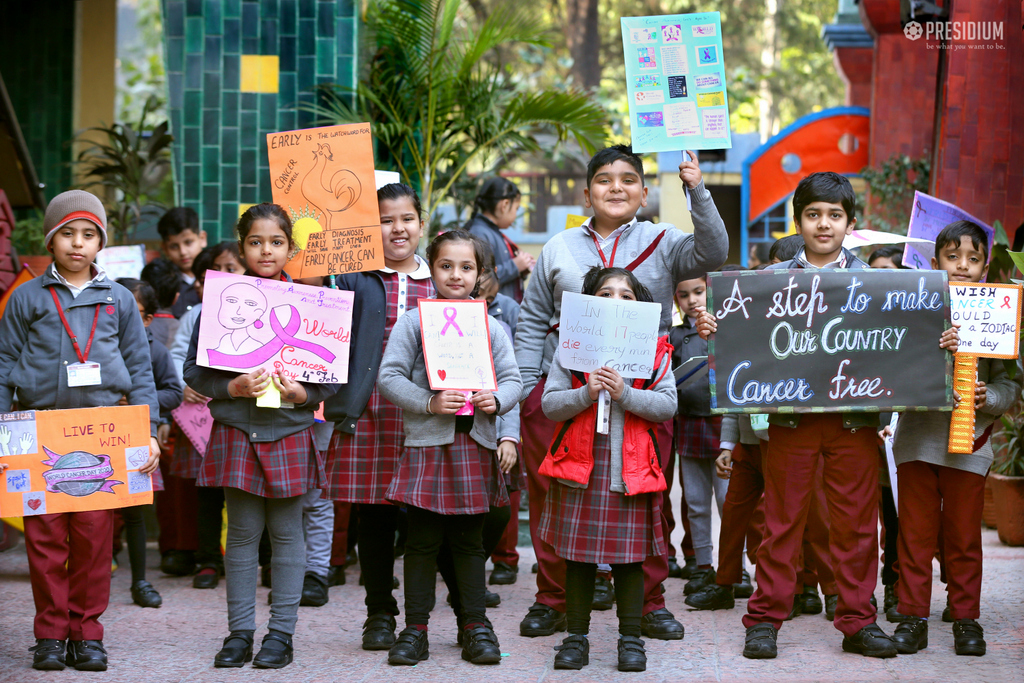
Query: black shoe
x,y
870,641
743,589
480,646
379,631
689,566
410,649
831,602
632,656
968,638
712,597
144,595
573,653
534,568
265,577
336,576
810,601
236,651
503,574
208,577
351,558
911,635
661,624
699,578
314,591
491,599
874,603
761,642
604,594
48,654
87,655
276,651
798,608
947,613
889,599
541,620
892,606
178,563
674,570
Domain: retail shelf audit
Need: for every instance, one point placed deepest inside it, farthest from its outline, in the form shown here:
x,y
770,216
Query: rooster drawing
x,y
329,189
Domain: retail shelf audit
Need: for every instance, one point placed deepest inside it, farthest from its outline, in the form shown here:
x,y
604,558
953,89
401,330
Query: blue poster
x,y
675,76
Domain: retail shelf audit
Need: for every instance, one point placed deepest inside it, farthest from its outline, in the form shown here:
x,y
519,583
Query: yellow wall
x,y
95,63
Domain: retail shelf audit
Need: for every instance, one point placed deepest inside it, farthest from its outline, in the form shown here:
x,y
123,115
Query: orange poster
x,y
74,460
324,178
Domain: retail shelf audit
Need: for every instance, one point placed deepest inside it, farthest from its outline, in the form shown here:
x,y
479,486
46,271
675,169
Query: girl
x,y
496,206
448,474
265,459
368,434
595,520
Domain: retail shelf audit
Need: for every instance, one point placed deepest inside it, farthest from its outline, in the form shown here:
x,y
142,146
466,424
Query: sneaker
x,y
743,589
604,593
968,638
911,635
480,646
410,649
810,602
573,653
632,656
712,597
870,641
699,578
761,642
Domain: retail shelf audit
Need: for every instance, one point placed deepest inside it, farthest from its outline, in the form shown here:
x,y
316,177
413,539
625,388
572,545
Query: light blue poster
x,y
675,77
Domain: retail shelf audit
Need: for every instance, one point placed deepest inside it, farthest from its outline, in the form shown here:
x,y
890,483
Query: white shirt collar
x,y
615,233
75,291
422,271
839,262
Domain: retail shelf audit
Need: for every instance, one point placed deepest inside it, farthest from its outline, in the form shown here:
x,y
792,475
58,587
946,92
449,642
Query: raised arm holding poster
x,y
829,341
324,177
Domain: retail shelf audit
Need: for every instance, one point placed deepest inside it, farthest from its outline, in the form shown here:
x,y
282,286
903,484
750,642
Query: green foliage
x,y
1009,460
140,67
29,238
891,189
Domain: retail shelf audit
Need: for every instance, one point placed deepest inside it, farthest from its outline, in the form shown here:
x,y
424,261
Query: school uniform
x,y
510,280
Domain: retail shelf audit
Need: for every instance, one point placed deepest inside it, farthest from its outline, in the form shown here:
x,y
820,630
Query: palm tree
x,y
440,100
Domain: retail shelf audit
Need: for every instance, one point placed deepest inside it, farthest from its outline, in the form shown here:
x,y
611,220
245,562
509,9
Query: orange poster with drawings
x,y
73,460
324,178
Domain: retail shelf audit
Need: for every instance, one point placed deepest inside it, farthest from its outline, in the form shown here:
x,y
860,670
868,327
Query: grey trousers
x,y
318,525
701,482
247,516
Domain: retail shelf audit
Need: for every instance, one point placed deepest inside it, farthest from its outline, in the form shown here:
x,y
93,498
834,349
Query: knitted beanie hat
x,y
72,205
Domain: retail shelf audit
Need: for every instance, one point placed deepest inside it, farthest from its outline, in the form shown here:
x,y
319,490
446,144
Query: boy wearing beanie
x,y
71,338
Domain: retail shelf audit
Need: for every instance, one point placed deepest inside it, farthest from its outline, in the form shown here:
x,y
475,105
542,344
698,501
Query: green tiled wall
x,y
220,148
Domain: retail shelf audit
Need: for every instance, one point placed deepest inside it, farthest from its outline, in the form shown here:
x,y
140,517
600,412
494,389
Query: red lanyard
x,y
74,340
600,252
513,249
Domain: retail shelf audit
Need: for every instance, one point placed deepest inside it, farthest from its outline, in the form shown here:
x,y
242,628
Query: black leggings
x,y
135,539
579,595
892,534
209,520
376,540
495,522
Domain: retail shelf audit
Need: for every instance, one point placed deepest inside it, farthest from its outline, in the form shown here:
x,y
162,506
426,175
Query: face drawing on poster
x,y
241,308
707,55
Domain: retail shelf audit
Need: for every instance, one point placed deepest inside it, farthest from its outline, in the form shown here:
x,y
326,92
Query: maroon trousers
x,y
177,508
850,482
537,431
666,506
746,485
932,497
505,551
339,541
69,567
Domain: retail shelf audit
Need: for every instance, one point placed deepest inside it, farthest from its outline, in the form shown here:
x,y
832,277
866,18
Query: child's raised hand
x,y
250,385
689,171
507,456
980,395
723,465
950,339
193,396
291,391
447,402
154,457
611,381
484,400
524,261
706,323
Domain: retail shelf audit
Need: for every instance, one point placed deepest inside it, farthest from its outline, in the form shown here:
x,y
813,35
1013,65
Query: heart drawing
x,y
442,374
34,503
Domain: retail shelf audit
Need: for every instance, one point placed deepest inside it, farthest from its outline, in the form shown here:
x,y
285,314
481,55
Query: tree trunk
x,y
584,41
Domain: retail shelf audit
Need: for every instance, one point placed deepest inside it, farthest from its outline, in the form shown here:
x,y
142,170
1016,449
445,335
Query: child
x,y
69,553
942,489
610,514
448,475
889,256
368,434
660,256
168,392
182,242
497,204
265,459
165,280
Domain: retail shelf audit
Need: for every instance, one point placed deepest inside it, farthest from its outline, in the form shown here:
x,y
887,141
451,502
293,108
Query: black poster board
x,y
827,341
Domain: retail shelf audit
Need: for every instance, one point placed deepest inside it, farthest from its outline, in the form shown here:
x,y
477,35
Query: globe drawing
x,y
76,460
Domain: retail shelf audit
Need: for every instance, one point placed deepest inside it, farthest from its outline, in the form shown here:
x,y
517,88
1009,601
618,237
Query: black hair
x,y
952,233
215,253
825,186
204,261
165,279
893,252
609,155
460,235
176,221
786,248
731,267
395,191
143,292
268,211
762,250
597,276
493,191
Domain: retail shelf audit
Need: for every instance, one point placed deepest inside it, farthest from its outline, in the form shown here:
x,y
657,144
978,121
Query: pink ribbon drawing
x,y
449,315
285,337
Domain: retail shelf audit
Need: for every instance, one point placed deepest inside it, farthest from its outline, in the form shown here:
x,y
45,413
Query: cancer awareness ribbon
x,y
285,337
449,315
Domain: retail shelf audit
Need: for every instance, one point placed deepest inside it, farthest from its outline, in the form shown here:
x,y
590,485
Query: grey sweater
x,y
924,436
403,381
568,255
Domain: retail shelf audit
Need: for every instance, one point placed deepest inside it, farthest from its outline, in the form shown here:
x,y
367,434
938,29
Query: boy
x,y
182,242
69,554
165,279
942,490
659,255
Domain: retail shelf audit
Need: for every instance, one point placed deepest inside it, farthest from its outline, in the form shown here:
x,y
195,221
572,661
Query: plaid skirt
x,y
597,524
277,469
698,437
157,477
360,466
460,478
185,459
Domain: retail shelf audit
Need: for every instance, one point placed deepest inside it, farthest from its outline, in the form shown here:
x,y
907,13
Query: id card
x,y
83,374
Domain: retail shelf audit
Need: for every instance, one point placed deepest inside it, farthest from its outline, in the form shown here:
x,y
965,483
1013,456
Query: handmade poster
x,y
927,219
829,341
324,177
595,332
125,260
249,323
457,344
74,460
195,421
989,319
675,81
691,370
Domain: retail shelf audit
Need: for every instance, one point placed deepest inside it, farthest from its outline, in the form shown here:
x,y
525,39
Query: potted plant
x,y
1007,477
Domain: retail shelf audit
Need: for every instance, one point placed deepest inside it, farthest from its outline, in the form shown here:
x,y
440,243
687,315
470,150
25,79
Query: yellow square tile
x,y
242,208
259,73
269,73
